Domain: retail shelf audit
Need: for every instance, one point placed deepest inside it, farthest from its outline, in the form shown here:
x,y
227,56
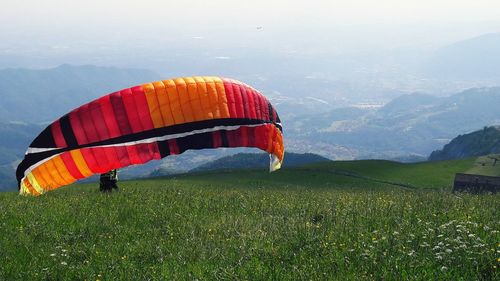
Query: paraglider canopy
x,y
147,122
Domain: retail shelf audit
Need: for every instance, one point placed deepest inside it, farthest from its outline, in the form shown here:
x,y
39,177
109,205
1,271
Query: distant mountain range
x,y
258,160
40,96
478,143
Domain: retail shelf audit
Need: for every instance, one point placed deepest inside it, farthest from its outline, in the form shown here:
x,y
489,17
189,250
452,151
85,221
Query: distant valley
x,y
410,125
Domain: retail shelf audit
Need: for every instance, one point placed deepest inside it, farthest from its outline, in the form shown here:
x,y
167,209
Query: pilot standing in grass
x,y
107,181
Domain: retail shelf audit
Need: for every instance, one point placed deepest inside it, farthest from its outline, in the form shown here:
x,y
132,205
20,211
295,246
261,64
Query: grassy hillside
x,y
426,175
341,174
304,223
486,165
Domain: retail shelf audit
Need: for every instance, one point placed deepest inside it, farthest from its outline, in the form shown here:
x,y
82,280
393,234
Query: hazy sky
x,y
195,13
50,32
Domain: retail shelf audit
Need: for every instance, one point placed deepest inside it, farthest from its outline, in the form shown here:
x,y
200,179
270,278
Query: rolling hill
x,y
326,174
436,175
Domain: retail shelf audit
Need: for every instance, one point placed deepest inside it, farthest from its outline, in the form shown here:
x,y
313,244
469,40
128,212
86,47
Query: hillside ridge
x,y
478,143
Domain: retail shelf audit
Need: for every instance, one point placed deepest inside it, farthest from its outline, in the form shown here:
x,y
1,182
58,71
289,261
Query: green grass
x,y
306,223
427,175
484,166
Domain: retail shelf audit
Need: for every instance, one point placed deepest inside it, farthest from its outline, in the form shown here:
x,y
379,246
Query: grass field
x,y
372,220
